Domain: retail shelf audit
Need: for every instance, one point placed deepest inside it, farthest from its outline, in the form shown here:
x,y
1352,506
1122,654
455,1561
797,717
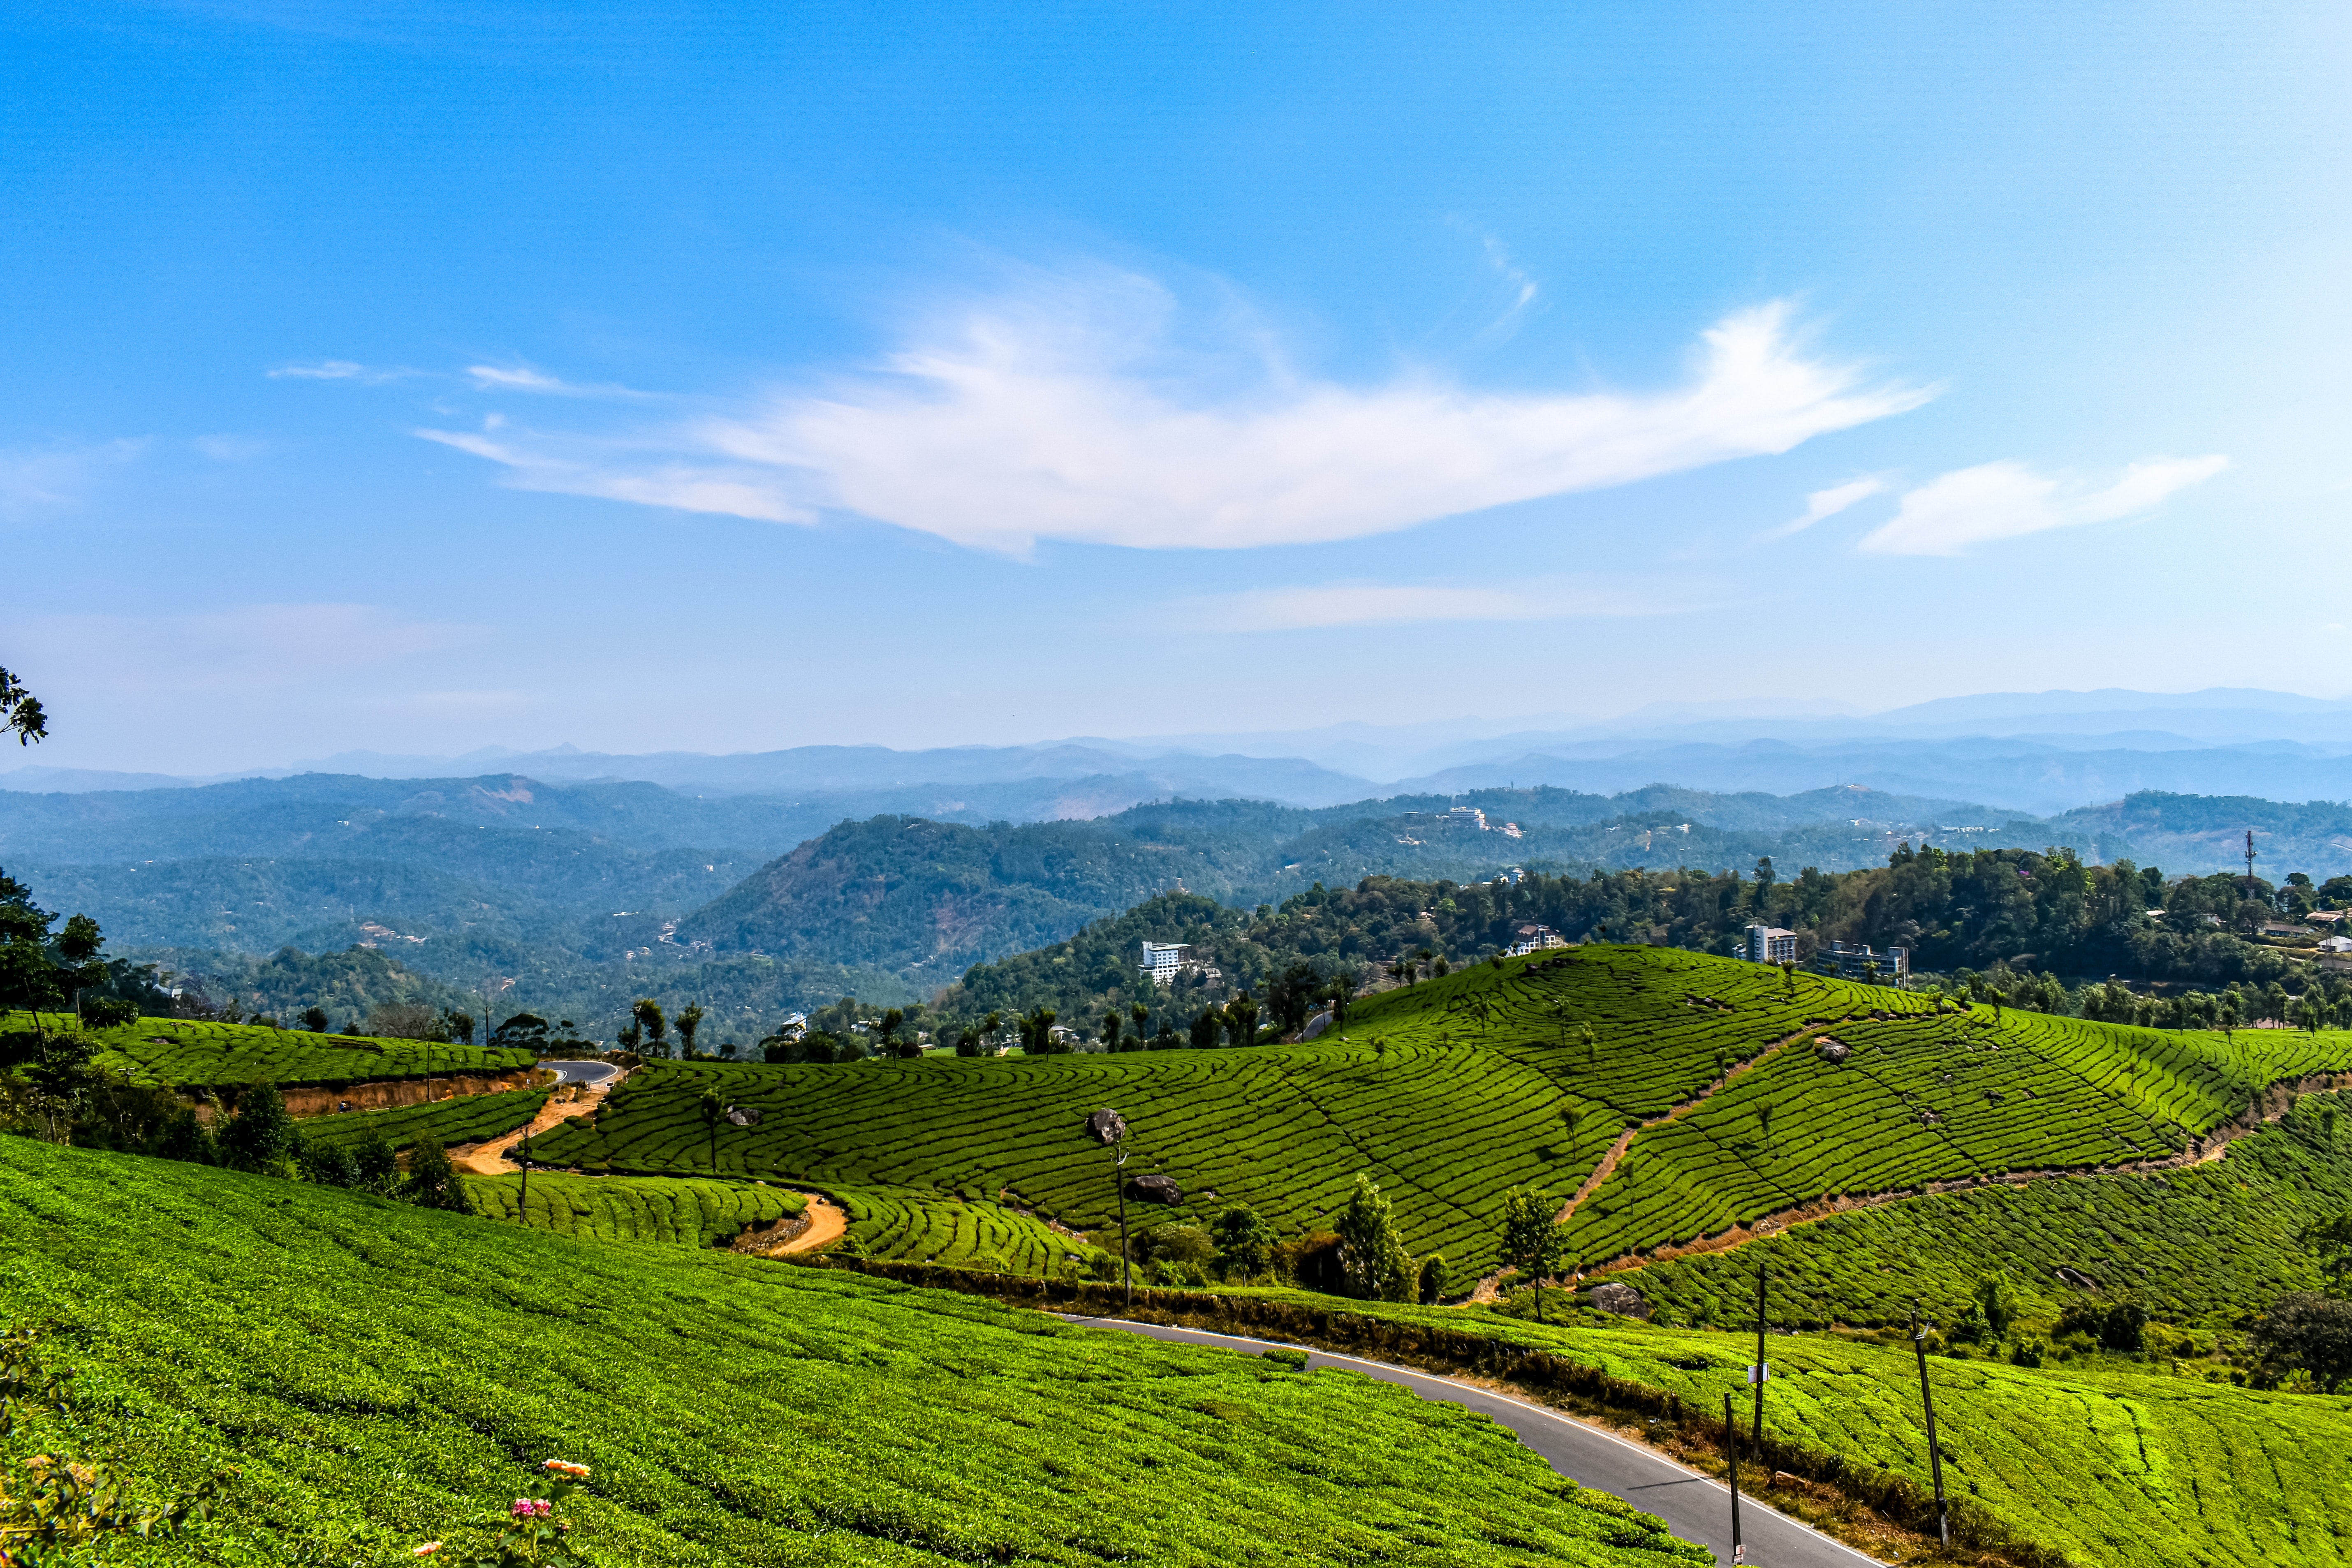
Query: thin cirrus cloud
x,y
37,479
1829,503
1325,606
2008,500
1072,416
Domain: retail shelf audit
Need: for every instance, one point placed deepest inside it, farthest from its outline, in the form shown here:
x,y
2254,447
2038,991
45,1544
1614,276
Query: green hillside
x,y
467,1119
2202,1245
199,1053
623,1208
392,1376
2116,1462
1481,1082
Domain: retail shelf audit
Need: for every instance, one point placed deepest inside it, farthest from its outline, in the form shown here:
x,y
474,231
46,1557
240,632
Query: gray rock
x,y
1834,1050
1156,1189
1624,1300
744,1116
1106,1127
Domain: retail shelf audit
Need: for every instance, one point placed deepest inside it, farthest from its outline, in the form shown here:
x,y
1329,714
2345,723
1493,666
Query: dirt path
x,y
826,1222
815,1226
490,1159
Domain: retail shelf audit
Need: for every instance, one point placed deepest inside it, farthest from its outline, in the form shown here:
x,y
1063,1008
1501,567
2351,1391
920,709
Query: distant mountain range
x,y
2030,754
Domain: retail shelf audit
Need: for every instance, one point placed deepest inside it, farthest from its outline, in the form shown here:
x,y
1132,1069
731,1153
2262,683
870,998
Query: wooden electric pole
x,y
1762,1370
1731,1454
1935,1458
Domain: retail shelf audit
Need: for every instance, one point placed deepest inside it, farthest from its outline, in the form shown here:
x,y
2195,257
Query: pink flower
x,y
530,1508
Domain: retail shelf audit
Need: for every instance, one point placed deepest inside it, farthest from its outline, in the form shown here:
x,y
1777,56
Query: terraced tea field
x,y
191,1053
685,1212
380,1376
2117,1464
468,1118
1482,1080
927,1227
2205,1244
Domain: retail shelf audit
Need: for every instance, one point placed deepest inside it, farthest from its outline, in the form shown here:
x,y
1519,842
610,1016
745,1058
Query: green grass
x,y
192,1053
1475,1093
685,1212
2205,1244
2118,1464
468,1118
382,1374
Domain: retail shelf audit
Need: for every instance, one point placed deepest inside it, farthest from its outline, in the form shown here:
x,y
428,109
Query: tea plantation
x,y
931,1228
381,1375
686,1213
193,1053
1452,1092
2118,1464
468,1118
2199,1246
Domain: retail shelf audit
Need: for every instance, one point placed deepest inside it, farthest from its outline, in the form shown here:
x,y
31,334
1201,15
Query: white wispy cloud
x,y
1333,604
2008,500
1071,414
33,478
522,378
1829,503
337,371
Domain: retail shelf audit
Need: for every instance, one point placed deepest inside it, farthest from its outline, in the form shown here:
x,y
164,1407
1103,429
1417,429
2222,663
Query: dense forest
x,y
2040,924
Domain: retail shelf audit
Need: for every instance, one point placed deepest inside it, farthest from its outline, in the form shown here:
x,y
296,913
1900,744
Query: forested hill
x,y
2019,915
906,894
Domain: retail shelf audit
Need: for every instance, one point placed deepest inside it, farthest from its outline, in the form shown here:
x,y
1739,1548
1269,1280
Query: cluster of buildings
x,y
1163,961
1770,944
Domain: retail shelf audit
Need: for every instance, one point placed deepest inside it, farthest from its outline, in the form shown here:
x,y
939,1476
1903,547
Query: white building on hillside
x,y
1770,944
1161,960
1533,937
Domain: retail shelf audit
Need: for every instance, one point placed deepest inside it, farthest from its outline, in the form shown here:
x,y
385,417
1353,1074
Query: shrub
x,y
432,1183
2307,1332
260,1136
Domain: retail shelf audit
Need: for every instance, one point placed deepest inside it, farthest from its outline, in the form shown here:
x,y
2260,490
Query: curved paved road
x,y
1694,1507
589,1072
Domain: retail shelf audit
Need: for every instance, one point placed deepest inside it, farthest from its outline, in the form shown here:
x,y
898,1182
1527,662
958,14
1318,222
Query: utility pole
x,y
1731,1453
1126,1257
2249,862
1935,1458
1762,1371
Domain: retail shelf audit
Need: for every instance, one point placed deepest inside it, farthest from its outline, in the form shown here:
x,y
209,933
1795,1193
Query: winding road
x,y
591,1073
1696,1507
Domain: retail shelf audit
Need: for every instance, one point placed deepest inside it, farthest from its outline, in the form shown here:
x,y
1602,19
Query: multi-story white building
x,y
1161,960
1770,944
1534,938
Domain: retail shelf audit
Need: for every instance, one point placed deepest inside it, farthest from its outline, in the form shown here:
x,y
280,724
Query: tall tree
x,y
1532,1242
1244,1241
1372,1256
651,1024
1112,1024
1240,1021
689,1022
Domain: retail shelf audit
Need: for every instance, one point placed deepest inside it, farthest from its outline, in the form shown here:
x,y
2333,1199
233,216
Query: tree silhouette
x,y
653,1028
690,1021
20,712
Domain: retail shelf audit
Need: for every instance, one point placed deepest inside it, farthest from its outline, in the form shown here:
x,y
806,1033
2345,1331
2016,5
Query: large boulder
x,y
1156,1188
1624,1300
1106,1127
744,1116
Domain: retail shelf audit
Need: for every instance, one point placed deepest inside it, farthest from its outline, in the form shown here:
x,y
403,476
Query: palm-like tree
x,y
690,1021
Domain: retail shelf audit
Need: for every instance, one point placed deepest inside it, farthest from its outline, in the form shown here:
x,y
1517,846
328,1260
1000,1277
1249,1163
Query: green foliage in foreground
x,y
388,1374
467,1119
2208,1244
198,1054
689,1213
1484,1083
2118,1464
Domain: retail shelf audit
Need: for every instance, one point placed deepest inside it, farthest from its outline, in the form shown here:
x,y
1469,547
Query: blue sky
x,y
428,377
